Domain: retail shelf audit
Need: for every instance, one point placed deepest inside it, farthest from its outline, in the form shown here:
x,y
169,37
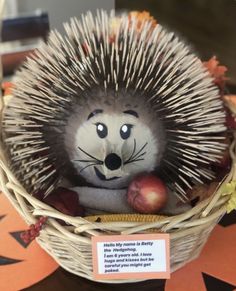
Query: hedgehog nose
x,y
113,162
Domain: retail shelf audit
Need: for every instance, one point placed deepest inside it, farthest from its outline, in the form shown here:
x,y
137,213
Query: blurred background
x,y
59,11
27,22
208,25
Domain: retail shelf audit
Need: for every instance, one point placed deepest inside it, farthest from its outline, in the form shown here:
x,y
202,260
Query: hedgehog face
x,y
109,149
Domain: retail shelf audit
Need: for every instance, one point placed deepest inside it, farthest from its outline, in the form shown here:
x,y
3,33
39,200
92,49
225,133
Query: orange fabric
x,y
34,263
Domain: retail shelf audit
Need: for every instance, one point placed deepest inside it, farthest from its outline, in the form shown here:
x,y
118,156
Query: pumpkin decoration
x,y
16,256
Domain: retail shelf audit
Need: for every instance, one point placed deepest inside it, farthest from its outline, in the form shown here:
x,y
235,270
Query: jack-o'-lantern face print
x,y
21,264
216,265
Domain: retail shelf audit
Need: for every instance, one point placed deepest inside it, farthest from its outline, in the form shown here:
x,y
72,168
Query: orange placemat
x,y
21,264
215,269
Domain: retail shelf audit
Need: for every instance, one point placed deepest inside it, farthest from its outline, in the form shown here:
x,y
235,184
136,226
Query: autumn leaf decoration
x,y
142,16
139,17
7,88
216,71
230,189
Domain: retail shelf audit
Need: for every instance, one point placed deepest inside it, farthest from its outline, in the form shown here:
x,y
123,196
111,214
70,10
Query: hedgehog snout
x,y
113,161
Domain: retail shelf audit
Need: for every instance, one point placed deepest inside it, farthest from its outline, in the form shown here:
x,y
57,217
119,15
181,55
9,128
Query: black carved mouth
x,y
102,177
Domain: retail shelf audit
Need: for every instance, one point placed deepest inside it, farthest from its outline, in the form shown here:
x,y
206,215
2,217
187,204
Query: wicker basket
x,y
70,245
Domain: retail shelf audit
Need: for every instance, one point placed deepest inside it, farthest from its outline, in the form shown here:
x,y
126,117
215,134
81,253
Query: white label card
x,y
132,256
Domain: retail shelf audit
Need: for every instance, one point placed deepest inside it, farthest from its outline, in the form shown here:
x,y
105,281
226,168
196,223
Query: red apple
x,y
147,194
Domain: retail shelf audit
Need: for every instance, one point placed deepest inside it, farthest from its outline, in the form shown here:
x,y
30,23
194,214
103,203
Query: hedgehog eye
x,y
125,130
101,130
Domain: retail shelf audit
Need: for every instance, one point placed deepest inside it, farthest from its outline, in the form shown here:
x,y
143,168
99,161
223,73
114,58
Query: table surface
x,y
61,280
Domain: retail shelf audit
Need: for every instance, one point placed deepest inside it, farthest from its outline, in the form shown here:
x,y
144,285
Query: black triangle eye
x,y
125,131
102,130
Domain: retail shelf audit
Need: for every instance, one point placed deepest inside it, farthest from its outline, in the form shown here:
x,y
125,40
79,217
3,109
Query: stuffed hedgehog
x,y
118,95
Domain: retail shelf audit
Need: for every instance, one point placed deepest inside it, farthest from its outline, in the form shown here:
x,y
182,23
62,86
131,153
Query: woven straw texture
x,y
70,245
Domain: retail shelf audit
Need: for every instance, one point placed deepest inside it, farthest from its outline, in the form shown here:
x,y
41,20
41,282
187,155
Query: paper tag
x,y
139,256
